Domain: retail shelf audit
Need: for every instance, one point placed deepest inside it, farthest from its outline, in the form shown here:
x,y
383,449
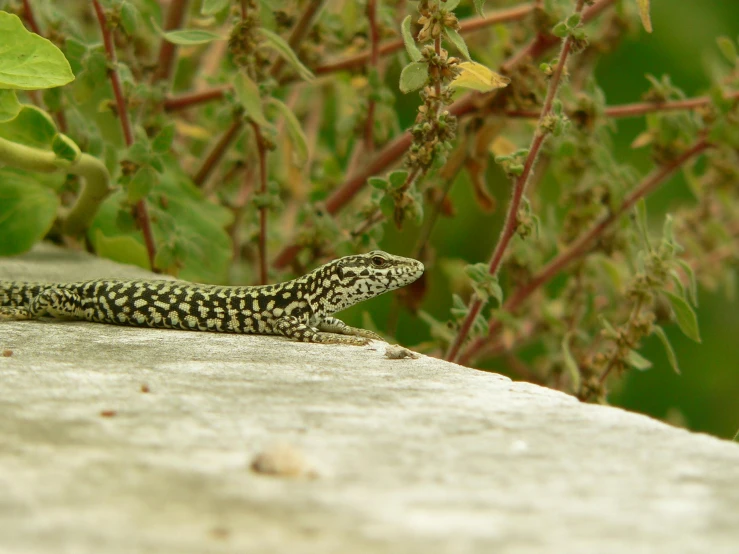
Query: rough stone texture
x,y
408,455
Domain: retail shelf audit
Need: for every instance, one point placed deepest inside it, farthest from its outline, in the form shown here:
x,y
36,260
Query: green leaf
x,y
560,30
141,184
277,43
485,285
668,347
122,248
294,130
637,361
414,76
65,148
574,20
685,316
475,76
479,7
28,61
247,91
646,20
378,183
27,211
129,17
211,7
163,140
9,105
398,178
728,49
456,39
642,222
449,5
410,43
31,127
569,362
188,37
692,282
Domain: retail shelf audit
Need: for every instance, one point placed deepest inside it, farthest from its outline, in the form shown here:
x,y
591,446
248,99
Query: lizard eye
x,y
378,261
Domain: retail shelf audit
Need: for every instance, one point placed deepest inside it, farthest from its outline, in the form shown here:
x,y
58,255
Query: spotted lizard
x,y
300,309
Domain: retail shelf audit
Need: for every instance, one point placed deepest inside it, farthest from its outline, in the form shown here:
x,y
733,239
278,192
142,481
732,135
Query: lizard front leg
x,y
291,327
334,325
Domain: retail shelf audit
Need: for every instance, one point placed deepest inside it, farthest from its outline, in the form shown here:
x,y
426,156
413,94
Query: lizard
x,y
301,309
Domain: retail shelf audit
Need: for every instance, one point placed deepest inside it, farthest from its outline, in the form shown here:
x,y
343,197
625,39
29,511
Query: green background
x,y
705,397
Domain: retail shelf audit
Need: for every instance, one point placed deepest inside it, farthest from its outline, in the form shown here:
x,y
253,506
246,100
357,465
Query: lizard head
x,y
356,278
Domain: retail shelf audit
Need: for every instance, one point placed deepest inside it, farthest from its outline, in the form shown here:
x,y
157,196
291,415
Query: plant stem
x,y
184,101
582,245
369,125
298,34
262,150
509,226
167,50
218,151
640,108
395,149
30,17
465,26
140,210
97,179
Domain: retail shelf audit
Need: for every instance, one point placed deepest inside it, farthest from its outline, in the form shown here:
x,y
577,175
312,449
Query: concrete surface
x,y
117,439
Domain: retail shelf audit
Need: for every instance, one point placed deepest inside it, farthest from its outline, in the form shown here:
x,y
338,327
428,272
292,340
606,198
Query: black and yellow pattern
x,y
300,309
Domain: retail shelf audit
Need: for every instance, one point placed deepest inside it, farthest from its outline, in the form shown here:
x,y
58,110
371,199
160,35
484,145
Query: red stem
x,y
582,245
141,210
262,150
509,227
30,18
215,155
167,50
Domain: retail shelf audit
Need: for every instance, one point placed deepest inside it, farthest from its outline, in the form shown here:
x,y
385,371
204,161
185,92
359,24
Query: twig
x,y
392,151
465,26
28,14
298,33
509,227
369,125
582,245
174,19
639,108
184,101
216,154
262,150
141,211
359,60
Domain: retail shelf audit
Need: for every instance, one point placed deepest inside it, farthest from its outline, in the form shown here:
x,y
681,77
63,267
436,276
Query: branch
x,y
369,124
509,227
465,26
174,19
358,60
640,108
185,101
141,211
30,18
216,154
262,150
469,104
298,34
582,245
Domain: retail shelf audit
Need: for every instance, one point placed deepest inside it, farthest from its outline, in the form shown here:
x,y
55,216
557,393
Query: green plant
x,y
240,141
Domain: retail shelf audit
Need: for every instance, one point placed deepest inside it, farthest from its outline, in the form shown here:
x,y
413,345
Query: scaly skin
x,y
300,309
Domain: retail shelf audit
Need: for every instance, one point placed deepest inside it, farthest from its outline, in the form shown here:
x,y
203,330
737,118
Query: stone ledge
x,y
401,455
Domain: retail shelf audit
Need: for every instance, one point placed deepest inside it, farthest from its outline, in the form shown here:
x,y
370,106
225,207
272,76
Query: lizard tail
x,y
16,294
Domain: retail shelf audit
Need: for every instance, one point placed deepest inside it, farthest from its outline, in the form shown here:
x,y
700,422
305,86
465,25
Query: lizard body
x,y
300,309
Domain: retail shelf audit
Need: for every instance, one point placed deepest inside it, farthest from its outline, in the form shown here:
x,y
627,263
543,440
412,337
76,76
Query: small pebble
x,y
283,460
397,352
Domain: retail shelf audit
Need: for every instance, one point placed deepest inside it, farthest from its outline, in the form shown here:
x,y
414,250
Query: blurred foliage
x,y
242,141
